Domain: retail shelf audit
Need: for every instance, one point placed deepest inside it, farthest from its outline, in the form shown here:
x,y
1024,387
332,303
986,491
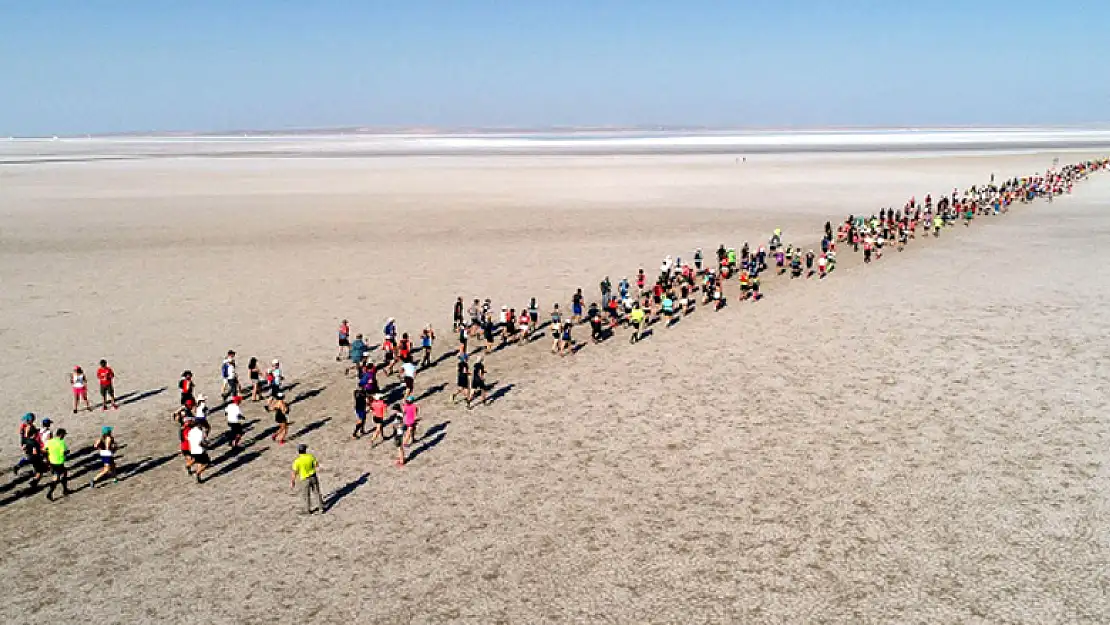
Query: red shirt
x,y
105,375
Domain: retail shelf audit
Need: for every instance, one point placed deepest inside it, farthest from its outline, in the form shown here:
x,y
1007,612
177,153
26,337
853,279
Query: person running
x,y
427,338
534,313
80,387
360,414
556,329
576,306
106,376
409,412
235,422
200,415
457,315
255,374
188,391
281,417
462,382
344,341
356,353
56,453
198,459
399,440
230,376
636,318
404,349
524,327
408,377
305,468
31,444
378,409
105,448
273,382
477,383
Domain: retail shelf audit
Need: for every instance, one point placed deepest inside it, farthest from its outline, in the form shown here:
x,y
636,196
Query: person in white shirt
x,y
235,422
198,456
408,375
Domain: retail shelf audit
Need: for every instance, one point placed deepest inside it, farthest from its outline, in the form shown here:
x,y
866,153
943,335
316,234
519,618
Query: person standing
x,y
235,424
356,352
106,376
56,452
378,409
80,386
463,381
344,341
457,315
185,385
305,468
230,376
105,448
255,373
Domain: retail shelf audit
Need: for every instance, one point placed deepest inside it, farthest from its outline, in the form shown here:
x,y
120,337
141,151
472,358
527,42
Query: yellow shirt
x,y
305,466
636,316
56,451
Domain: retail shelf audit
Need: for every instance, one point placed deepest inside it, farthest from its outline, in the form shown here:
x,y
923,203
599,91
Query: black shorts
x,y
58,469
344,343
463,382
107,390
478,385
202,457
410,383
399,436
279,417
236,429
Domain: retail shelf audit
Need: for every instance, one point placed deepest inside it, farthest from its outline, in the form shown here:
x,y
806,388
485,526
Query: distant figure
x,y
80,386
106,376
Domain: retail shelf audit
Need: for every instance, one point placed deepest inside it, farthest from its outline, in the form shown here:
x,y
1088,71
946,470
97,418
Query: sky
x,y
99,66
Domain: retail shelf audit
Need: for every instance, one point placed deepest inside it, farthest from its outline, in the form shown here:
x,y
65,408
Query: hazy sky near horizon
x,y
117,65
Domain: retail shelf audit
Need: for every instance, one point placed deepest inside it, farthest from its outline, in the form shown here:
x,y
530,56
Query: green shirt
x,y
305,466
56,450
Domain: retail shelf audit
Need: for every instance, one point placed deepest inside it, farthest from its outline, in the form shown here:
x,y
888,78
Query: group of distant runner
x,y
677,290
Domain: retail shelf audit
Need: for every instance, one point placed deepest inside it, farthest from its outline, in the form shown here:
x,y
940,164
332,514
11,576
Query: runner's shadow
x,y
17,481
431,391
343,491
131,469
307,395
239,461
432,437
135,396
499,393
445,356
315,425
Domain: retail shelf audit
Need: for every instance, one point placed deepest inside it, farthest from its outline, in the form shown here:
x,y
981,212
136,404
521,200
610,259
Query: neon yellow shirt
x,y
637,315
56,450
305,466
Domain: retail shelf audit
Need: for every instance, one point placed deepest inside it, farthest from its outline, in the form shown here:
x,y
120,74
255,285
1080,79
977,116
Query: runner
x,y
235,425
408,377
198,455
230,376
305,468
409,418
32,446
576,306
56,453
462,382
200,415
356,352
427,337
477,383
105,448
106,376
256,379
457,315
378,408
80,388
636,318
281,417
344,341
556,330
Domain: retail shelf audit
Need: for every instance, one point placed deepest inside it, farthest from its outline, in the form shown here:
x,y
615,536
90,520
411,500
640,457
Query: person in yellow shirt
x,y
636,319
56,451
304,469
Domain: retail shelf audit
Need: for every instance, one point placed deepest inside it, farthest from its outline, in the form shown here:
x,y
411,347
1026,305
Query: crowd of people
x,y
677,290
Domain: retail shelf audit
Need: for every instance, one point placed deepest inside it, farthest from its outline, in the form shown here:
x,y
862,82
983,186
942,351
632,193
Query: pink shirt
x,y
410,414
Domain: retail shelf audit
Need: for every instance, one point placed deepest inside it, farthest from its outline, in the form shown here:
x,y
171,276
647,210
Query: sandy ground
x,y
916,441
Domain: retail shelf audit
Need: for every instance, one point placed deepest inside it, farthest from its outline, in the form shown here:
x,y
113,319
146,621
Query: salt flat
x,y
920,440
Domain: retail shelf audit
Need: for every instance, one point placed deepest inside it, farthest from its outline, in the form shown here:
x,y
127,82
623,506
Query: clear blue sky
x,y
136,65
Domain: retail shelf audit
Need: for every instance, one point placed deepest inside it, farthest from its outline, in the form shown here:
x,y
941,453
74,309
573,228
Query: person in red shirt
x,y
107,387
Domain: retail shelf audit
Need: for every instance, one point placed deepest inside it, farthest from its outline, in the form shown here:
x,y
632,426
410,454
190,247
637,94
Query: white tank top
x,y
78,380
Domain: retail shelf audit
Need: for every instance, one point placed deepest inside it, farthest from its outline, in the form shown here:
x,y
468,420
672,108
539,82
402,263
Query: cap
x,y
274,361
378,395
47,421
106,430
302,448
410,399
29,417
